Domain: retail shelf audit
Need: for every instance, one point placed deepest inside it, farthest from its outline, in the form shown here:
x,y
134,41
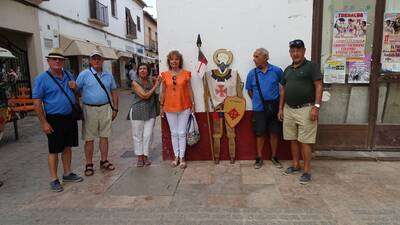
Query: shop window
x,y
347,37
114,8
389,92
138,24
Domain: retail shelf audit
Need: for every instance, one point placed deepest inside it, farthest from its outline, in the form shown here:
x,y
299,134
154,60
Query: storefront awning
x,y
75,47
122,54
108,52
4,53
146,58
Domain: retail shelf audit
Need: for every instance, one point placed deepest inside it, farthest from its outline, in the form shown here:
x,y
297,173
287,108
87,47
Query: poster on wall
x,y
391,43
335,71
349,34
359,70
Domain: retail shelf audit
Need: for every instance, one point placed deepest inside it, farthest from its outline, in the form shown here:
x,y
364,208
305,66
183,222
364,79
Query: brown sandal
x,y
106,165
175,163
89,171
183,164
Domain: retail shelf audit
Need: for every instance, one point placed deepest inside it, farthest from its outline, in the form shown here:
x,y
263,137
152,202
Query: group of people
x,y
287,101
56,96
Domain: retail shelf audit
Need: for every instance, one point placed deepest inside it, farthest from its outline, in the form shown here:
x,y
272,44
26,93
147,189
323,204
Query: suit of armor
x,y
219,85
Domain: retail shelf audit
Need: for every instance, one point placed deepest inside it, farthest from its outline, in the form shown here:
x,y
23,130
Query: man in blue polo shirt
x,y
100,107
54,111
263,86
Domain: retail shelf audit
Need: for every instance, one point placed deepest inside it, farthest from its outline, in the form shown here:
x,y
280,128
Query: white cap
x,y
96,53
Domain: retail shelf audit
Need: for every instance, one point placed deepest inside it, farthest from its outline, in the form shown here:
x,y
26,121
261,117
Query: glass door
x,y
346,51
387,129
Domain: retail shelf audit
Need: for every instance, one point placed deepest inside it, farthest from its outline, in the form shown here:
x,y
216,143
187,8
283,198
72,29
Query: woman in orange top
x,y
177,103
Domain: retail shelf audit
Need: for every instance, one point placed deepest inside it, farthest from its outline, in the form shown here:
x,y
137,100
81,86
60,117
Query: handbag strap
x,y
192,119
104,88
61,88
189,123
259,88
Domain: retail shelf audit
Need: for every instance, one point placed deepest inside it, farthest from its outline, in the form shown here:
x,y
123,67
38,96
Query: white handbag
x,y
192,131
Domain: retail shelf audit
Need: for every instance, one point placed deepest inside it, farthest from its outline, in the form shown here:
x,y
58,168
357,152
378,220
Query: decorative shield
x,y
234,108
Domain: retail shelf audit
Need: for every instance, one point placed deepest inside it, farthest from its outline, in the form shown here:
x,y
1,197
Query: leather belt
x,y
95,105
300,106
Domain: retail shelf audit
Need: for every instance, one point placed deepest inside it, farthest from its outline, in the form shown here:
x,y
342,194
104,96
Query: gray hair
x,y
263,52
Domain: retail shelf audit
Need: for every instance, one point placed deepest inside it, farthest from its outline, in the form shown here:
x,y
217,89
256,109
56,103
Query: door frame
x,y
356,136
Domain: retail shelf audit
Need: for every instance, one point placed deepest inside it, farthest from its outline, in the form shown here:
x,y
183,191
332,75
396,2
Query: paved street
x,y
343,192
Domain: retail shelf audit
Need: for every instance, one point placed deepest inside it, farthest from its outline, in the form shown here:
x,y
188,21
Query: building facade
x,y
114,27
355,42
150,36
19,33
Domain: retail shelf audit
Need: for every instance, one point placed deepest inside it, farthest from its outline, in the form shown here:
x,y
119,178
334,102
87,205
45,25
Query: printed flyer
x,y
391,43
335,71
349,34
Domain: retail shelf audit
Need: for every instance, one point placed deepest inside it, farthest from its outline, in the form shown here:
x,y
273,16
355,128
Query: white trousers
x,y
142,134
177,124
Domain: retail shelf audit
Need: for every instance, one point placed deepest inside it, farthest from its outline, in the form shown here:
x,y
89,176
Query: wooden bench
x,y
19,106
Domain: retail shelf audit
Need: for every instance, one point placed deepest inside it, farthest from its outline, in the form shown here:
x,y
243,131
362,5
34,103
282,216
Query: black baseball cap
x,y
296,44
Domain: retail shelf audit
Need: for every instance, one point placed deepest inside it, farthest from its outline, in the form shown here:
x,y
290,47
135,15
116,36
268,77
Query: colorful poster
x,y
359,71
349,34
335,71
391,43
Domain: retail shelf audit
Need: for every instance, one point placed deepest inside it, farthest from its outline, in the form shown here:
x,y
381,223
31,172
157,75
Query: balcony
x,y
153,46
98,13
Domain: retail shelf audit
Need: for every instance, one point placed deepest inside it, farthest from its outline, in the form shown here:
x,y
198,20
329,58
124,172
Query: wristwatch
x,y
115,110
317,105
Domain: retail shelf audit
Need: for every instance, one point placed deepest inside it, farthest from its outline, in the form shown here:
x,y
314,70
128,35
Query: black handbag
x,y
77,113
271,107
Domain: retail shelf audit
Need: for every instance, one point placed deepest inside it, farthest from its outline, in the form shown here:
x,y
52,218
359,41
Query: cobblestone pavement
x,y
343,192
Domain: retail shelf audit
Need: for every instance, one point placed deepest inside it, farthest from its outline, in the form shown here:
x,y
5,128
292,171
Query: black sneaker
x,y
258,164
72,177
276,163
56,186
291,170
305,178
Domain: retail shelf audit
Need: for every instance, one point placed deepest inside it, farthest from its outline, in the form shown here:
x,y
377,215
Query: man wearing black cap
x,y
53,99
299,107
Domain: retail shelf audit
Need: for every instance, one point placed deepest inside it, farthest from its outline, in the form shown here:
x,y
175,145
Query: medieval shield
x,y
234,108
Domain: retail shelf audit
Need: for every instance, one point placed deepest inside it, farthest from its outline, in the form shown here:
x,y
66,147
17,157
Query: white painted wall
x,y
241,26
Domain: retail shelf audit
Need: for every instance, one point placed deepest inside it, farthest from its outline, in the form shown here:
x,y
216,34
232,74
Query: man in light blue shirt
x,y
100,100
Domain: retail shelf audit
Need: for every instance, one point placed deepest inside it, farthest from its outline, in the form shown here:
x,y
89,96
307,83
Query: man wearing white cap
x,y
100,107
53,100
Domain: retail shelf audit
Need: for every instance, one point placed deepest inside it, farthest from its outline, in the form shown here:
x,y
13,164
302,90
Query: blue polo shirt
x,y
269,84
54,100
92,93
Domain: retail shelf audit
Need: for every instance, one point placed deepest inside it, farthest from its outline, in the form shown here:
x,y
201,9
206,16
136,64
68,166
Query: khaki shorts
x,y
97,122
297,125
